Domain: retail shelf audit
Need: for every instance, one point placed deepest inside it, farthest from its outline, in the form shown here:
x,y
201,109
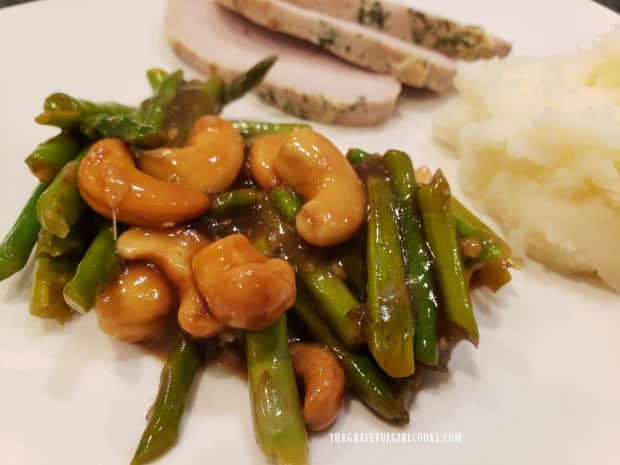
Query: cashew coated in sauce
x,y
210,161
263,153
243,288
323,380
137,306
335,198
110,183
172,250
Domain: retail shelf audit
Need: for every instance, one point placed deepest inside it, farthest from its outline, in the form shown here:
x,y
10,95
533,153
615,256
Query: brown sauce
x,y
231,359
371,167
189,103
160,347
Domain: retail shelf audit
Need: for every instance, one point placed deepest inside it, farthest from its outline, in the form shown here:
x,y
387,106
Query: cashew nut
x,y
210,162
263,154
136,307
323,380
335,199
110,183
171,250
243,288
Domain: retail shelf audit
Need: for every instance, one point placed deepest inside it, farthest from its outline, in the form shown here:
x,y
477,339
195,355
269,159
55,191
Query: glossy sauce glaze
x,y
172,251
138,306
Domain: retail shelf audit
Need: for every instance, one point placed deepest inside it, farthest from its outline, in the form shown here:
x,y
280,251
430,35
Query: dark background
x,y
613,4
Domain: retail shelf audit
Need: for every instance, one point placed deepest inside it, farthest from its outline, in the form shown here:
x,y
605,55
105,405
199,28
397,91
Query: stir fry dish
x,y
324,273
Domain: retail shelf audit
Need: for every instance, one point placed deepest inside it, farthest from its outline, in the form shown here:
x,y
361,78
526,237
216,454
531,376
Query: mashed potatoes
x,y
540,147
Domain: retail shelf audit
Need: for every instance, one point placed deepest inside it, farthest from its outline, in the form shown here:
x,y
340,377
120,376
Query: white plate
x,y
542,388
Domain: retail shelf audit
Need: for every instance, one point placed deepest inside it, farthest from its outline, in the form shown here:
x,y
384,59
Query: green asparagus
x,y
287,201
247,81
278,423
249,129
351,256
339,306
19,242
50,156
418,260
232,203
367,381
67,112
391,325
123,127
177,375
76,243
156,76
467,217
490,251
71,246
435,206
50,276
98,267
356,156
495,258
214,89
155,113
192,100
61,205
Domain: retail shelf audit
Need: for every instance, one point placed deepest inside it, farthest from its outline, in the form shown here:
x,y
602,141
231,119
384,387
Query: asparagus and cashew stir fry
x,y
329,274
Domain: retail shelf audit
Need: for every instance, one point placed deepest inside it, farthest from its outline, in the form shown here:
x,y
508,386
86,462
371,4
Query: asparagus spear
x,y
231,203
18,243
356,156
99,120
123,127
287,201
192,100
278,423
418,260
338,304
467,217
249,129
490,251
165,93
61,205
71,246
494,275
367,381
76,243
247,81
391,328
156,76
440,230
162,431
98,267
66,112
495,258
50,276
50,156
353,259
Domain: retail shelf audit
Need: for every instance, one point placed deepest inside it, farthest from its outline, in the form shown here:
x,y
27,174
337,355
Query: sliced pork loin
x,y
371,49
413,25
305,81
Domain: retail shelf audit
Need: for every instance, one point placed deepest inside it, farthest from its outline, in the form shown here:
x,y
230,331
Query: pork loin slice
x,y
409,63
305,81
448,37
